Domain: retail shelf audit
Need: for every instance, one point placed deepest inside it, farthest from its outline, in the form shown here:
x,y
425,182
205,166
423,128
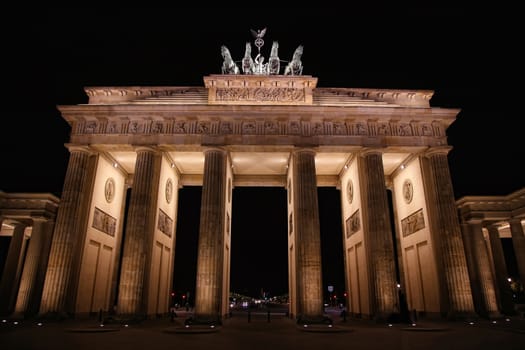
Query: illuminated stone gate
x,y
250,130
132,148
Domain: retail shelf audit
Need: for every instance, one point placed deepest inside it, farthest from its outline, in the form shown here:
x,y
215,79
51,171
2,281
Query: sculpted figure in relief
x,y
247,62
274,64
295,67
228,64
257,65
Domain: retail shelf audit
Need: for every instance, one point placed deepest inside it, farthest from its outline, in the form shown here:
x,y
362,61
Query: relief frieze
x,y
180,127
104,222
317,128
339,129
249,128
271,128
361,129
135,127
187,126
156,128
226,128
90,127
383,129
275,94
165,223
404,129
353,224
294,128
113,128
426,130
413,223
203,128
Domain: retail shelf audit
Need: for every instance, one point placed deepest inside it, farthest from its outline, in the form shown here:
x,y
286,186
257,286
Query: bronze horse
x,y
295,67
228,65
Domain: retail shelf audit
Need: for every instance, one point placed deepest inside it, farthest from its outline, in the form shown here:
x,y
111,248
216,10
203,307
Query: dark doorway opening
x,y
332,252
187,239
259,242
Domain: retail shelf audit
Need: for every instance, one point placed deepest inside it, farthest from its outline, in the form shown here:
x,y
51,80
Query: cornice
x,y
400,97
123,94
272,85
99,123
166,109
29,205
493,207
342,117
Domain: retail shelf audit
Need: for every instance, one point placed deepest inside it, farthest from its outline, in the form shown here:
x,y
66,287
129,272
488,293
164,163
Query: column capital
x,y
371,150
208,149
143,148
39,219
440,150
493,226
79,148
17,223
478,222
474,219
515,221
304,150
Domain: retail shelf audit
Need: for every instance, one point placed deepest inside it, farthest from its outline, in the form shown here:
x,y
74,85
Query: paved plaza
x,y
259,332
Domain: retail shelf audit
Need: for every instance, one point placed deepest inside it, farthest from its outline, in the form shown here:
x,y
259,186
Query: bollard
x,y
249,315
413,316
268,317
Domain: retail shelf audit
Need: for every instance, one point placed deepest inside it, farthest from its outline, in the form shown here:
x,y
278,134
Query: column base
x,y
18,315
494,315
462,316
314,320
203,321
55,316
393,317
123,318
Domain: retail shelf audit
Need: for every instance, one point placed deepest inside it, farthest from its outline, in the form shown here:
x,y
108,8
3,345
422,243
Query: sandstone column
x,y
12,270
61,279
377,234
503,290
308,237
33,274
480,273
518,241
210,254
456,293
138,238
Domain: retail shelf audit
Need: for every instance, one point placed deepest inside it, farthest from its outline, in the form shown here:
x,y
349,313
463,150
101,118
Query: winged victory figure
x,y
259,33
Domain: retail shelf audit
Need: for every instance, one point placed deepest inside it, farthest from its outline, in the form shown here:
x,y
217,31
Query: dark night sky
x,y
467,56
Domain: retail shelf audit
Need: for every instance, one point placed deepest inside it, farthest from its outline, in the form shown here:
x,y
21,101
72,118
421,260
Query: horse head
x,y
275,49
228,65
295,66
298,53
247,61
226,53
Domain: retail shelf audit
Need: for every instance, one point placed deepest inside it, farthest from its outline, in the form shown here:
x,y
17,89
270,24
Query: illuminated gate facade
x,y
249,130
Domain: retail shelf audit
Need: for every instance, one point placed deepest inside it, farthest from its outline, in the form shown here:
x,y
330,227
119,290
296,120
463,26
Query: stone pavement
x,y
279,333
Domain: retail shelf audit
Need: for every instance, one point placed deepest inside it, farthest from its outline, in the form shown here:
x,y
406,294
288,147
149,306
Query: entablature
x,y
260,124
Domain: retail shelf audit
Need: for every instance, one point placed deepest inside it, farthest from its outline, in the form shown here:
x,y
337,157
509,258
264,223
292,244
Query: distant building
x,y
484,221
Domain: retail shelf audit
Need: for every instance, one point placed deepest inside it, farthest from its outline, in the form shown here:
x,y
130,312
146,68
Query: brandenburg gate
x,y
139,145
